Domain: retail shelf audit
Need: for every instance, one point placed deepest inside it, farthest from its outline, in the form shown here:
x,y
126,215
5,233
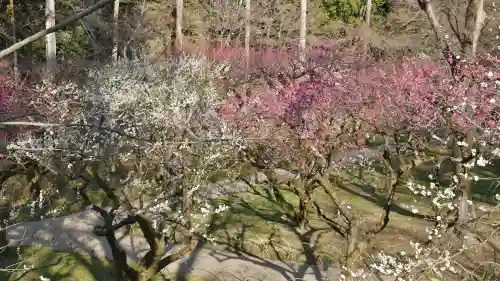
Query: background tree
x,y
464,40
303,30
15,65
368,12
179,10
50,39
247,32
116,12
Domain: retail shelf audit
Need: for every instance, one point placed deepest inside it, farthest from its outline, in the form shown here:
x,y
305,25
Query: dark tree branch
x,y
106,230
165,261
81,191
339,227
148,233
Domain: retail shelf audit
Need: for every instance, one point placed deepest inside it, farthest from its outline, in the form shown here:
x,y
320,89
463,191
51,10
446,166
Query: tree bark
x,y
463,187
247,33
123,270
365,29
303,30
474,22
178,25
368,12
116,11
55,28
302,220
4,217
356,246
445,44
50,39
15,65
280,28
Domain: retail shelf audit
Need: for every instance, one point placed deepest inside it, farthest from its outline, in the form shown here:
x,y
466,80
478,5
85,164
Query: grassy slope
x,y
59,266
258,224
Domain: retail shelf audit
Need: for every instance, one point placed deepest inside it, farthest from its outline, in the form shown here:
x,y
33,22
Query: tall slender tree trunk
x,y
368,12
247,33
366,26
50,39
116,11
178,25
15,65
303,30
474,22
280,28
445,43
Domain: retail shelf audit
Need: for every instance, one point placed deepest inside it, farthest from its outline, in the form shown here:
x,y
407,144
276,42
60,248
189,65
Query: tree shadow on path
x,y
282,268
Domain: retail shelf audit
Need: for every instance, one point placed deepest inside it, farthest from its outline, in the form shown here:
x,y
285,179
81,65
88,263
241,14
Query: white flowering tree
x,y
146,138
458,137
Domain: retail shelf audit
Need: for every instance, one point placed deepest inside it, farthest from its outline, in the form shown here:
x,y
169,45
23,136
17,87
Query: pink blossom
x,y
387,97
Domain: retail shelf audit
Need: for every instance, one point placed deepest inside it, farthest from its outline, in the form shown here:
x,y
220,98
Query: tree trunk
x,y
463,187
50,39
33,178
356,246
445,43
303,30
116,10
4,217
474,23
280,28
368,12
123,271
178,25
14,39
247,33
302,220
55,28
186,209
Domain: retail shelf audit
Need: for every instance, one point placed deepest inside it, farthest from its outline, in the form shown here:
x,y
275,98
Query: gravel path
x,y
73,233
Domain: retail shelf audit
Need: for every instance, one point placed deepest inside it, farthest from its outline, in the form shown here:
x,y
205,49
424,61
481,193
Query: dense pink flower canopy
x,y
386,96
